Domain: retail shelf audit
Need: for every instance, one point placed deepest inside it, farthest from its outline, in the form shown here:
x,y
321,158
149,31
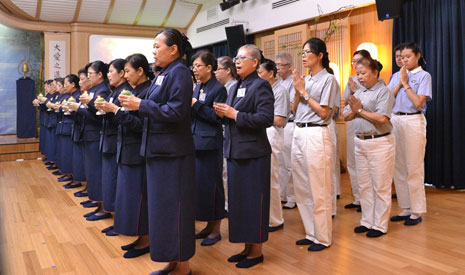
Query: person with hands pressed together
x,y
268,71
91,126
412,88
108,138
207,132
79,174
247,113
312,148
168,148
370,110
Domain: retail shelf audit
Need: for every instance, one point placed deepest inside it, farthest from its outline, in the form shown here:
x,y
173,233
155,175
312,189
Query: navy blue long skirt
x,y
42,139
170,193
79,173
109,177
249,199
93,167
131,212
209,190
58,150
66,155
51,144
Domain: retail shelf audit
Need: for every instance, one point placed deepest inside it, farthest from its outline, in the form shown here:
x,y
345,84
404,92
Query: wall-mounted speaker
x,y
388,9
236,38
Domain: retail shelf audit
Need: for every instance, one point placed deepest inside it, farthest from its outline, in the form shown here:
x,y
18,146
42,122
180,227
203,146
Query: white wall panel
x,y
154,12
93,11
125,11
58,10
181,15
28,6
260,16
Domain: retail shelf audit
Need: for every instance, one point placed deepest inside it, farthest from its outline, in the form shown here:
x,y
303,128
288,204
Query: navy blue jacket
x,y
206,125
246,136
167,111
77,120
109,125
65,121
52,116
130,131
91,123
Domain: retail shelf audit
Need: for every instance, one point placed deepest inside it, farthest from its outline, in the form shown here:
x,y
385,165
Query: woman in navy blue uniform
x,y
247,113
91,125
66,143
51,126
208,139
108,139
79,175
168,147
42,113
56,107
131,217
42,105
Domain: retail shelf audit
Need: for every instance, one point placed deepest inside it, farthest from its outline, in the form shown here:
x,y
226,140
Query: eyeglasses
x,y
354,62
196,66
305,53
219,69
282,65
90,73
242,58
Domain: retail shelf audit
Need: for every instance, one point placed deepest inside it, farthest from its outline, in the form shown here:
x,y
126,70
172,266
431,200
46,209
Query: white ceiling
x,y
128,12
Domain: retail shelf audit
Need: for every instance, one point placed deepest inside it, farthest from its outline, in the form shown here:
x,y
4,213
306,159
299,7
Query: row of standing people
x,y
247,111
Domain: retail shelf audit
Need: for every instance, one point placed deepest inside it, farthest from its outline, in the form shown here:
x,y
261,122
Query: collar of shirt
x,y
416,70
251,77
375,87
319,75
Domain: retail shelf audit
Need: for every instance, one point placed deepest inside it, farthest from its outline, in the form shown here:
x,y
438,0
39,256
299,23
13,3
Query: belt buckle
x,y
299,124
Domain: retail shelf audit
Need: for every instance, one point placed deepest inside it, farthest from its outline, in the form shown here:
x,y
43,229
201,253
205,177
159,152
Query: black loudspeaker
x,y
236,38
388,9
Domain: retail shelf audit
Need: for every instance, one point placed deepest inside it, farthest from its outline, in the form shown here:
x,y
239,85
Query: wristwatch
x,y
306,97
359,111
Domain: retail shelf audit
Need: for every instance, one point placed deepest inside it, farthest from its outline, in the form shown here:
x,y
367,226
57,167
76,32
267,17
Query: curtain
x,y
439,28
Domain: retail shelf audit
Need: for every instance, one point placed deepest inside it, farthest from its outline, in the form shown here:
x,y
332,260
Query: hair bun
x,y
186,45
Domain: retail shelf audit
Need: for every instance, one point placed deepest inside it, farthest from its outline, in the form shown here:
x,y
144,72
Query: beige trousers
x,y
285,165
312,153
276,137
410,133
375,169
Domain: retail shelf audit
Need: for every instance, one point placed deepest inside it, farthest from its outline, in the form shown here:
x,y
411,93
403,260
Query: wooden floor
x,y
43,232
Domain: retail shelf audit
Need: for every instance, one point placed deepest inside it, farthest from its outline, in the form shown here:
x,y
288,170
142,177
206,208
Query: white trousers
x,y
311,170
335,167
285,165
375,169
410,132
276,138
351,165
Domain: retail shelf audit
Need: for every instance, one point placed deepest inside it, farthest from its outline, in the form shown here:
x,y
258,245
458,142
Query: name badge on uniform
x,y
241,92
202,96
111,100
91,95
159,80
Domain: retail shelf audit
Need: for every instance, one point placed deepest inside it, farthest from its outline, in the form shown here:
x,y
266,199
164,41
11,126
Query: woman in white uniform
x,y
312,150
370,109
275,133
351,88
412,88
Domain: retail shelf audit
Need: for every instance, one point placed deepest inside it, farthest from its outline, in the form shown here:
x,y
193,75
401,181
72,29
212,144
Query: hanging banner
x,y
57,59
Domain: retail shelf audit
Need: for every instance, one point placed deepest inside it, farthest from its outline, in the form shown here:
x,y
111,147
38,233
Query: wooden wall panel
x,y
365,27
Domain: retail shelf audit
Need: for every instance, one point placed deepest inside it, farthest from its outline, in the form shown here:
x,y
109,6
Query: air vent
x,y
214,25
212,13
282,3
